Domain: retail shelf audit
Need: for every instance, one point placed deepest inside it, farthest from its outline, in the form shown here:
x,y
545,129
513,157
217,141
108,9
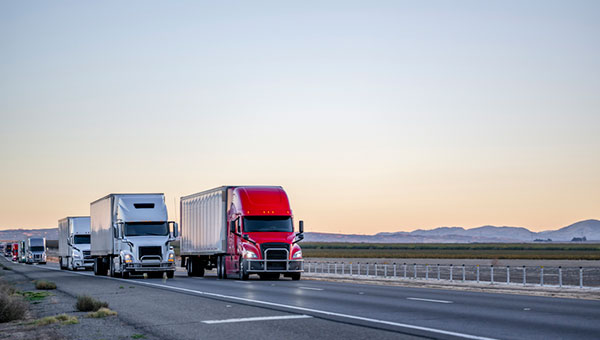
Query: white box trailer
x,y
205,229
74,243
130,233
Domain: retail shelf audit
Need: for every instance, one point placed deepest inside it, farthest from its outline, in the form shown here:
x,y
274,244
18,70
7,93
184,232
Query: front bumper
x,y
150,267
83,263
274,266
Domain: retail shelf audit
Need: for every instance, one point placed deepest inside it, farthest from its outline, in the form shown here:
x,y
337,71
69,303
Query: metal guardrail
x,y
582,277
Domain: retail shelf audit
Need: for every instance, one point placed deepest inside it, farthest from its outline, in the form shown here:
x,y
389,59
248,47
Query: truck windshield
x,y
146,229
268,223
81,239
36,248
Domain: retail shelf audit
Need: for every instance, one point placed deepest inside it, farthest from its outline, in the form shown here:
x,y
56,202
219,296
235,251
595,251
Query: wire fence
x,y
581,277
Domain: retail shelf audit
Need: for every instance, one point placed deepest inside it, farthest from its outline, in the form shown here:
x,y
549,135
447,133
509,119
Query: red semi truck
x,y
240,230
15,252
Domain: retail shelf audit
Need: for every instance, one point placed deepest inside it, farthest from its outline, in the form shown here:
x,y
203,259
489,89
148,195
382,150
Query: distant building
x,y
579,239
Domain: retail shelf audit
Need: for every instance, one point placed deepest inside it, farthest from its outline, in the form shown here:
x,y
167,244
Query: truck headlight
x,y
76,255
128,258
171,257
248,254
297,255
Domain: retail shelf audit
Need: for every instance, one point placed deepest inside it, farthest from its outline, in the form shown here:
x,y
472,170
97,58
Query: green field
x,y
541,251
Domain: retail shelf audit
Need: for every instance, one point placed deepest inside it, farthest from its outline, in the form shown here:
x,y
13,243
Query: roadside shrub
x,y
62,318
12,307
46,285
86,303
101,313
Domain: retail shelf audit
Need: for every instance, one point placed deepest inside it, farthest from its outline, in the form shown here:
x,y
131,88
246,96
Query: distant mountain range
x,y
590,229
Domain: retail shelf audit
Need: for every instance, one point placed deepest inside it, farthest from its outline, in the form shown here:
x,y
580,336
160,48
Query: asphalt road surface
x,y
192,308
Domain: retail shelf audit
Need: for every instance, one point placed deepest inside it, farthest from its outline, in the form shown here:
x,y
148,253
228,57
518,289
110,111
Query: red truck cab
x,y
15,252
261,238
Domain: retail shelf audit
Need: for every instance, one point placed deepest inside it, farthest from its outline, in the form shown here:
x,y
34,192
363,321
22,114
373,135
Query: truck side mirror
x,y
301,227
246,237
175,229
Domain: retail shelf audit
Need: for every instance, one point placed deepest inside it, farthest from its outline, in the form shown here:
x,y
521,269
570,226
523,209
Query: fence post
x,y
451,272
438,270
426,272
580,277
507,274
560,276
492,275
394,269
541,275
477,273
524,276
463,268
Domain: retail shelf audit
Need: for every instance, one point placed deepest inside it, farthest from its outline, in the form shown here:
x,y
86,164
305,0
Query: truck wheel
x,y
70,263
219,268
96,266
295,276
125,275
189,267
170,274
243,273
60,263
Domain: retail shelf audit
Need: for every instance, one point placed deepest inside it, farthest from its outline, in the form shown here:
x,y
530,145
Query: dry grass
x,y
45,285
12,306
101,313
86,303
62,318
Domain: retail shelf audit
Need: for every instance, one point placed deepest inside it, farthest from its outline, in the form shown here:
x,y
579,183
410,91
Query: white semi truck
x,y
35,250
74,243
131,234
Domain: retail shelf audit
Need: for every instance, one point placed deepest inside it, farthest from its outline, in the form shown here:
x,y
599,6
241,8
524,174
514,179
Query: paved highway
x,y
317,309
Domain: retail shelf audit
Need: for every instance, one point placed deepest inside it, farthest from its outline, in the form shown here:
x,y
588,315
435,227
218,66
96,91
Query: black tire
x,y
190,267
96,266
111,268
125,275
60,263
295,276
170,274
243,272
219,268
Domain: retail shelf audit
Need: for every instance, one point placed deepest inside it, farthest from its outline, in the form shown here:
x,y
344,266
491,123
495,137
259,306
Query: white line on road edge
x,y
260,318
304,309
429,300
310,288
246,282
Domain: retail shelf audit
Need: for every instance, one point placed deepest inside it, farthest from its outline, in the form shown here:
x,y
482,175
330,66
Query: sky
x,y
373,115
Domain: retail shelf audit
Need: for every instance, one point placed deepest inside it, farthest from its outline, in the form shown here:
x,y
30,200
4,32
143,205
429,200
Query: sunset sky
x,y
373,115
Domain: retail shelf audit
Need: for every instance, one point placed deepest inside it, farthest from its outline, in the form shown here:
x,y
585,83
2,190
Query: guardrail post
x,y
309,267
524,276
492,275
415,270
375,269
580,277
451,266
335,267
367,268
507,274
541,275
404,270
477,273
385,270
394,269
438,271
358,264
351,273
328,268
560,276
463,270
426,272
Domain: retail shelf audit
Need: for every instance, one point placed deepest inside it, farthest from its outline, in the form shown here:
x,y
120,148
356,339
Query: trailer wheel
x,y
170,274
219,267
96,266
60,263
125,275
295,276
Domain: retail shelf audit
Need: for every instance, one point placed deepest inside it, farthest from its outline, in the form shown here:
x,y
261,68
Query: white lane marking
x,y
304,309
310,288
429,300
246,282
526,308
259,318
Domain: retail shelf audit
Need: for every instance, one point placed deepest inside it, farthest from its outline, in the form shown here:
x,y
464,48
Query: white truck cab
x,y
74,243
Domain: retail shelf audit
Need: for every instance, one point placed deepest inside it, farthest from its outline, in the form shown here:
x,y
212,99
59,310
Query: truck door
x,y
232,258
